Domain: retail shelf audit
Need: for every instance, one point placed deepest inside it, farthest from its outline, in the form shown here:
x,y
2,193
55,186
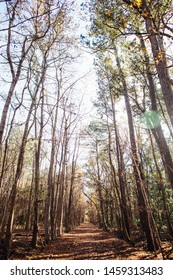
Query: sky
x,y
86,88
90,83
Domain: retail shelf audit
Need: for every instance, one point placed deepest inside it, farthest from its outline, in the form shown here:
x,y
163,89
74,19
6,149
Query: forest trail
x,y
87,242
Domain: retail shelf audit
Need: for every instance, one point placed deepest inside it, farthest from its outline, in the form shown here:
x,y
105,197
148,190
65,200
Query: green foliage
x,y
121,25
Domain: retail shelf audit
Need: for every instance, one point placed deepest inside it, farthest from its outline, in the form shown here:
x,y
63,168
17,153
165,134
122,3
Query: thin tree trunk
x,y
68,220
121,172
99,186
160,182
28,215
37,166
50,200
60,212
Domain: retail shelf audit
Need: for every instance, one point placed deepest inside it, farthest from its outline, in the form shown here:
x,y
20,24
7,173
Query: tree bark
x,y
37,165
8,235
143,204
158,132
99,187
158,52
121,173
60,209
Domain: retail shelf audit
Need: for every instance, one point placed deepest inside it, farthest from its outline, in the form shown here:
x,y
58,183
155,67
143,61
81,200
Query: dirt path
x,y
87,242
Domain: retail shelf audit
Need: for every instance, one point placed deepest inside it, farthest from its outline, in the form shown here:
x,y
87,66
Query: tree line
x,y
40,181
127,181
130,173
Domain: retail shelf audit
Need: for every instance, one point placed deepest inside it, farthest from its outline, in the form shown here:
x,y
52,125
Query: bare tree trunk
x,y
28,215
68,220
8,235
8,136
15,78
49,208
37,165
121,173
99,187
62,184
58,181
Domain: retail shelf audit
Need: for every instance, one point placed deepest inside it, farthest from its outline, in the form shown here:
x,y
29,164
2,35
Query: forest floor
x,y
85,242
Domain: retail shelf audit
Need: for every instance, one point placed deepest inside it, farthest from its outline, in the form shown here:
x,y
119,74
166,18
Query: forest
x,y
76,184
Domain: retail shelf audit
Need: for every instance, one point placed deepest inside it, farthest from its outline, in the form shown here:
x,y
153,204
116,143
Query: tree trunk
x,y
158,55
161,186
158,132
28,215
60,212
121,172
161,66
13,194
37,165
143,204
69,222
99,186
50,200
12,88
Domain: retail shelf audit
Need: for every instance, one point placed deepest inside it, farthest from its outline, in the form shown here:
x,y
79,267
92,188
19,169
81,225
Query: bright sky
x,y
86,87
89,84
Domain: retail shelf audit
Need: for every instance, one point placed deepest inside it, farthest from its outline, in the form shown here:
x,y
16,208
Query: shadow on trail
x,y
87,242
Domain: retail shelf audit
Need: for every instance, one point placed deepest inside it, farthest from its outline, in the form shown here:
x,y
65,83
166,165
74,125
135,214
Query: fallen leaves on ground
x,y
86,242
